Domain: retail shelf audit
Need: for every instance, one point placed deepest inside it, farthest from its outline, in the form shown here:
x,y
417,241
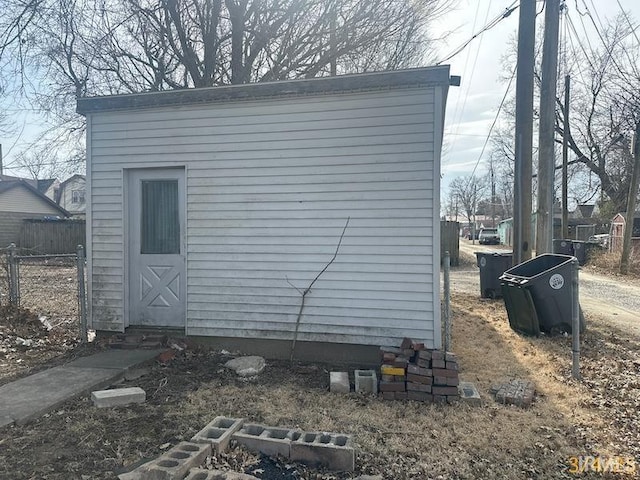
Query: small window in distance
x,y
77,196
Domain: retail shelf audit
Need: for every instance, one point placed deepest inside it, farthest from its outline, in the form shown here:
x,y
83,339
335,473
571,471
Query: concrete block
x,y
271,441
176,462
331,450
339,382
201,474
218,433
366,381
118,397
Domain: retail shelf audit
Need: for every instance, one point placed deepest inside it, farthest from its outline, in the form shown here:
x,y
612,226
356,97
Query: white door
x,y
156,247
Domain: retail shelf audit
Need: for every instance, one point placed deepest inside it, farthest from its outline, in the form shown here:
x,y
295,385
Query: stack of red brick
x,y
412,372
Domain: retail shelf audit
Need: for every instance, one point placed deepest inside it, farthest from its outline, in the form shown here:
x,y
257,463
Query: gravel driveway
x,y
607,300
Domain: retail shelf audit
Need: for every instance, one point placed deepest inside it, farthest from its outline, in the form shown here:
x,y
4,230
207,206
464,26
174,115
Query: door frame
x,y
126,216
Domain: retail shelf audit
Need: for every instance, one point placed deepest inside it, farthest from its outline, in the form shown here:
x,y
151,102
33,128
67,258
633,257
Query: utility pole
x,y
546,144
565,159
1,167
524,132
332,42
631,203
493,197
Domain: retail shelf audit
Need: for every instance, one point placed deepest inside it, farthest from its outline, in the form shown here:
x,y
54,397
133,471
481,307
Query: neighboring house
x,y
211,209
19,200
616,233
71,195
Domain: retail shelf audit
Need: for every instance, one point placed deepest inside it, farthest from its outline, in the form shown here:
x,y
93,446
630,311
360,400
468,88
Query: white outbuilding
x,y
211,210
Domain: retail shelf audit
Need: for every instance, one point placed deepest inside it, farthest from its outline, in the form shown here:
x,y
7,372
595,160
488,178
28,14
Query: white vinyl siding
x,y
270,185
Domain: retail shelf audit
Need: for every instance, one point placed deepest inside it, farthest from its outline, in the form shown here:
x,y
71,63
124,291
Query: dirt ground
x,y
398,440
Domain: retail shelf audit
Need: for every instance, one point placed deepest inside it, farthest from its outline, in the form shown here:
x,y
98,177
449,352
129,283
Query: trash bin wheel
x,y
560,329
491,293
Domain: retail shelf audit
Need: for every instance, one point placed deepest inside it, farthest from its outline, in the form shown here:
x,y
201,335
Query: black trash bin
x,y
547,278
562,246
492,265
583,250
580,251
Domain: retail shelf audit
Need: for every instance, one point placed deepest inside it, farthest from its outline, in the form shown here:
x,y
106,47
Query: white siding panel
x,y
270,185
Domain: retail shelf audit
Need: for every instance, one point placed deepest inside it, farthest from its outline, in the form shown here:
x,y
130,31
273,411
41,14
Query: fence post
x,y
575,320
14,288
447,303
82,301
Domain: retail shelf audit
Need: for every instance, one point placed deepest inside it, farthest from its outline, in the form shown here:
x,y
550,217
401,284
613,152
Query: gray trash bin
x,y
547,277
562,246
492,265
580,251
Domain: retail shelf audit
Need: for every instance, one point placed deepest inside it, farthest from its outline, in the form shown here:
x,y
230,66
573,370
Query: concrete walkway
x,y
35,395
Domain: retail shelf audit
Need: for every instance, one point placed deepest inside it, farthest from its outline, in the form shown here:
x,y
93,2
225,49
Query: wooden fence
x,y
52,236
450,241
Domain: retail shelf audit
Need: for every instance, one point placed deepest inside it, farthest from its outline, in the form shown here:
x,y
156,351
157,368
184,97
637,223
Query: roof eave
x,y
415,77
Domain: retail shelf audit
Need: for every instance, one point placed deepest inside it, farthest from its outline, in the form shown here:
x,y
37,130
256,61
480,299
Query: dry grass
x,y
399,440
608,263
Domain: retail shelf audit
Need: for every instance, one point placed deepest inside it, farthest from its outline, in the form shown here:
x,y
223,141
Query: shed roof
x,y
415,77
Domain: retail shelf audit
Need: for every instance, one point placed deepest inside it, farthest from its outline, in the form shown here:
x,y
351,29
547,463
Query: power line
x,y
508,11
604,43
458,118
633,29
495,120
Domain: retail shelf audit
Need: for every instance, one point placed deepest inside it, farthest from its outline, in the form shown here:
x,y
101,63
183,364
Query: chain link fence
x,y
51,286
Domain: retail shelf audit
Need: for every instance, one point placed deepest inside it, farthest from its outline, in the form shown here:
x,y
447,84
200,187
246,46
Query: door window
x,y
160,222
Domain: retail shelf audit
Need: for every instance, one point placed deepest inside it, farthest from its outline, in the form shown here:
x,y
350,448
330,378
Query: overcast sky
x,y
472,107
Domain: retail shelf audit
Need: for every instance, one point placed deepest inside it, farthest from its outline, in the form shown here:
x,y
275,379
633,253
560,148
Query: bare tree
x,y
604,97
80,47
469,191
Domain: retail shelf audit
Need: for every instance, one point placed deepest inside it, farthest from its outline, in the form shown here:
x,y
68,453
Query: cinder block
x,y
270,441
400,395
174,463
331,450
469,393
388,396
452,381
366,381
202,474
339,382
118,397
218,433
440,381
